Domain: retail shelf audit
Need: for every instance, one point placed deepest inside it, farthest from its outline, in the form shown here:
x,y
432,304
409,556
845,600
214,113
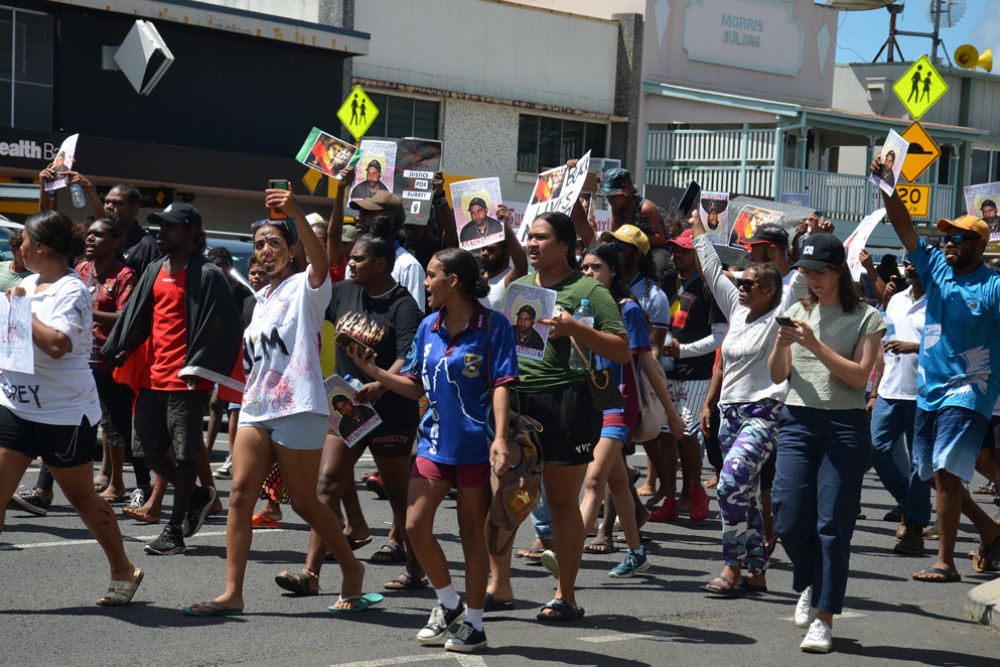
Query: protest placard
x,y
325,153
714,212
981,201
750,218
525,306
17,353
855,243
376,168
63,162
416,162
352,420
556,190
893,155
476,204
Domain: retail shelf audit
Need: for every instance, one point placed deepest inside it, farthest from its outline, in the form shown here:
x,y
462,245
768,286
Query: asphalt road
x,y
53,571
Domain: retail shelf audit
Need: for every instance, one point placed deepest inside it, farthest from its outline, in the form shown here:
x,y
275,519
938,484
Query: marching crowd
x,y
792,378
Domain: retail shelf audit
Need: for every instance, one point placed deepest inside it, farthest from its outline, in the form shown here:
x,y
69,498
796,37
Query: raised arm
x,y
319,266
902,224
514,248
445,215
335,230
725,292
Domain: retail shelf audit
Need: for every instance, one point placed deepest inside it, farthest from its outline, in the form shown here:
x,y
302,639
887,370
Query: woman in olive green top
x,y
557,397
826,353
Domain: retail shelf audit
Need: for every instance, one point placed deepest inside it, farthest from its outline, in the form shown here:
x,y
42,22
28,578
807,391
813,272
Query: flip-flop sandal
x,y
406,582
532,555
114,500
565,612
364,602
944,576
598,547
491,604
984,560
216,610
550,562
723,588
389,553
357,544
121,591
261,521
296,583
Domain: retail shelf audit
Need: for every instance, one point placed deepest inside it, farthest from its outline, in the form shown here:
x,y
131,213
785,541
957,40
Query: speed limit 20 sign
x,y
917,199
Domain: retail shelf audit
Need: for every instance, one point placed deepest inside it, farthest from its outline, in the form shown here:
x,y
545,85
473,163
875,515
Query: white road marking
x,y
624,636
463,660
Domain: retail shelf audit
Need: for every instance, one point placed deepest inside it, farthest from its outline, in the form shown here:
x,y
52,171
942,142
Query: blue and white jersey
x,y
653,300
457,428
961,337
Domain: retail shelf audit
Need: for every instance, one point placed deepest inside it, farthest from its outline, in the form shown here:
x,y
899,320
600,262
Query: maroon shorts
x,y
474,474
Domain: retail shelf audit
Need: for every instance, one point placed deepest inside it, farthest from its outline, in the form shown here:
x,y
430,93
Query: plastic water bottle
x,y
668,363
76,192
584,314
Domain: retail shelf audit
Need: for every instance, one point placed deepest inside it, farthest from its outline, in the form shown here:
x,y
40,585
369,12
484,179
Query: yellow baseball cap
x,y
630,234
969,222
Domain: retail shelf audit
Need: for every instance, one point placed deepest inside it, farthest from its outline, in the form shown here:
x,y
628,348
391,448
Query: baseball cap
x,y
380,201
180,213
684,240
820,251
770,233
616,181
348,234
968,222
628,234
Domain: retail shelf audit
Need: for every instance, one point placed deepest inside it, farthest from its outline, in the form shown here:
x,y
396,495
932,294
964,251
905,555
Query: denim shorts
x,y
304,430
948,439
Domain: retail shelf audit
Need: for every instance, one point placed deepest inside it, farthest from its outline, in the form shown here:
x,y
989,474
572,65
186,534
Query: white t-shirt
x,y
61,391
282,343
498,287
904,318
408,273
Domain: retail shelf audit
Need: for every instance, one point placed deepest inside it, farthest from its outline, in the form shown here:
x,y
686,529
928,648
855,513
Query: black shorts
x,y
165,419
59,445
570,425
992,439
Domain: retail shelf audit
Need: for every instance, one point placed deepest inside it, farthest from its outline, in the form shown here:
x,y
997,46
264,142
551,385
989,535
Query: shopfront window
x,y
544,142
27,42
404,117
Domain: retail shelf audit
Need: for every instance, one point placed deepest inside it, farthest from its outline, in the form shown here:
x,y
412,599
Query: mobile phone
x,y
785,321
689,198
278,184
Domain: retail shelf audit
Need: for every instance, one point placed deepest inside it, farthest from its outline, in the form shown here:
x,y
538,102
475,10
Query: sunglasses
x,y
618,246
746,284
958,239
275,222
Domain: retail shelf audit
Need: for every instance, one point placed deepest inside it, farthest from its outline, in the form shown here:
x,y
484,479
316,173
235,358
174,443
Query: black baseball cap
x,y
177,213
769,233
820,251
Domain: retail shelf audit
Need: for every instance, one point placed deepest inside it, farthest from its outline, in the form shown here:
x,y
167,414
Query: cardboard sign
x,y
714,210
556,190
476,204
893,156
416,162
982,201
17,353
350,419
325,153
63,162
526,306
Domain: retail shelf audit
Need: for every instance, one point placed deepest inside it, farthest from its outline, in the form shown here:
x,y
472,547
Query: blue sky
x,y
860,34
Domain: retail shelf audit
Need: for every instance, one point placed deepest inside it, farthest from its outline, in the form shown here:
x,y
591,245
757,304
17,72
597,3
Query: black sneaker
x,y
466,639
168,543
438,624
201,500
29,501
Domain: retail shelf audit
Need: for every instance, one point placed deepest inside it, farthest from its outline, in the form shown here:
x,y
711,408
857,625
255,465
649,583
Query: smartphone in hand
x,y
785,321
278,184
689,198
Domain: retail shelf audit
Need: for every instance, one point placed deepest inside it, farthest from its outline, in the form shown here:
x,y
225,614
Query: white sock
x,y
448,596
474,616
638,552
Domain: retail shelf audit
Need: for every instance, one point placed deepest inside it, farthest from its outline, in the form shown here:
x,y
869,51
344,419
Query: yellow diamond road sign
x,y
920,87
357,113
922,151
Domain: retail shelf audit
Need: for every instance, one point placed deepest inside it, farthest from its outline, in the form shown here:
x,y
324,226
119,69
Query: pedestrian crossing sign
x,y
357,113
920,87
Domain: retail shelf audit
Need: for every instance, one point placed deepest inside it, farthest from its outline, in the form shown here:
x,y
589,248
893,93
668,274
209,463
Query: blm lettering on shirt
x,y
257,348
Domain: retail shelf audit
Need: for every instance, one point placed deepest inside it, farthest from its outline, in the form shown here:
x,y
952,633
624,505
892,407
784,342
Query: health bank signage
x,y
761,35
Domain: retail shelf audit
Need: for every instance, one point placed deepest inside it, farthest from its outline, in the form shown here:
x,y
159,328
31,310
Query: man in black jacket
x,y
179,333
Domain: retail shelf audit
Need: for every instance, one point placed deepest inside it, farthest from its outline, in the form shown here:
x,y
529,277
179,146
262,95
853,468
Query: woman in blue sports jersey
x,y
465,375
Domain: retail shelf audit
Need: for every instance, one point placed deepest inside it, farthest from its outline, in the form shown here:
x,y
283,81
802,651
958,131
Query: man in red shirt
x,y
184,328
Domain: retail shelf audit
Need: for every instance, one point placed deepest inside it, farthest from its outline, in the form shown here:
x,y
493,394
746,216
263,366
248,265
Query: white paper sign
x,y
63,162
350,419
17,353
525,306
556,190
893,155
855,243
476,204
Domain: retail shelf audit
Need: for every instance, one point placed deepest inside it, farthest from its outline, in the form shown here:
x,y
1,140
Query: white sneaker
x,y
225,471
805,614
819,639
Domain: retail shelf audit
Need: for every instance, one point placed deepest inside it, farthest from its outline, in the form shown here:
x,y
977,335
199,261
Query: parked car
x,y
6,227
238,245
